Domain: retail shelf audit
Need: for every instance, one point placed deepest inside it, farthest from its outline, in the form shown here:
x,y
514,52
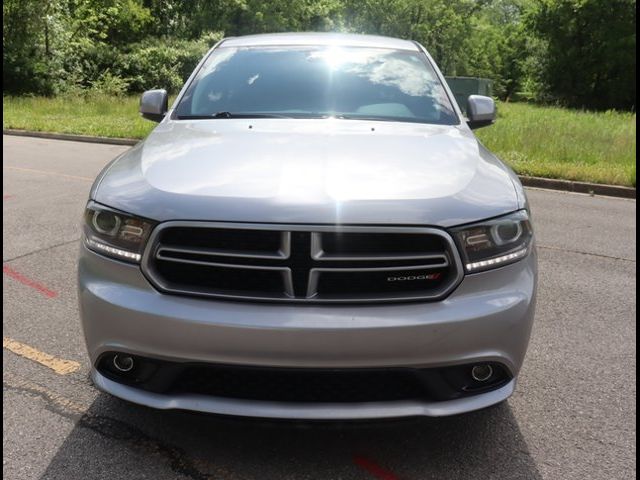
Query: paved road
x,y
572,417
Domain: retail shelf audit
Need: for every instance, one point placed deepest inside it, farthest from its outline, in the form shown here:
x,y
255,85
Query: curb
x,y
538,182
579,187
70,137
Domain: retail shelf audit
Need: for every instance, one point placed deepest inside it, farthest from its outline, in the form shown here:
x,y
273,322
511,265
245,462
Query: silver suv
x,y
311,231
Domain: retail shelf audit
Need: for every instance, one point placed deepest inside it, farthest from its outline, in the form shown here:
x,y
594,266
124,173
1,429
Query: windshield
x,y
311,82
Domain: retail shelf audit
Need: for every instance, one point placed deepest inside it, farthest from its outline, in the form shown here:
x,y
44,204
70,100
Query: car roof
x,y
310,38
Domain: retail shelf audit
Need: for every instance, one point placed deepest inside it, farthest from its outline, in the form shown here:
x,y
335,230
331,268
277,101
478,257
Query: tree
x,y
575,52
29,40
591,53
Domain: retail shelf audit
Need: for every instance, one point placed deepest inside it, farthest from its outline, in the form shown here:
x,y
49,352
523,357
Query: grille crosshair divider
x,y
301,258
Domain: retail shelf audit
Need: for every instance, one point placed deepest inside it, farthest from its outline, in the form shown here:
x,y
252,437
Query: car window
x,y
350,82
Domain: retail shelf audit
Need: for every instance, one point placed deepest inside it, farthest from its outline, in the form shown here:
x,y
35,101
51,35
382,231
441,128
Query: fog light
x,y
123,363
481,373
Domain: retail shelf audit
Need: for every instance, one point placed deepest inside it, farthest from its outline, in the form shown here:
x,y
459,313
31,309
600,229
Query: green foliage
x,y
255,16
110,85
591,54
29,39
163,62
442,26
497,48
191,19
576,52
112,21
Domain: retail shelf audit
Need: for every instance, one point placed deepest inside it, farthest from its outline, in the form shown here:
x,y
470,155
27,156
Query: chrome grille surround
x,y
316,262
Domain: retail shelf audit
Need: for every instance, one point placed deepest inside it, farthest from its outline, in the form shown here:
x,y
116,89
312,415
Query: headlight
x,y
114,233
496,242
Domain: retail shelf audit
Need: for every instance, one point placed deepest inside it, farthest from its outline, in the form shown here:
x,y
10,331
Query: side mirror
x,y
481,111
154,104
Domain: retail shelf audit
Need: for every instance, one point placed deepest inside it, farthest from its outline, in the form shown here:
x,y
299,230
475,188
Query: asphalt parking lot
x,y
573,415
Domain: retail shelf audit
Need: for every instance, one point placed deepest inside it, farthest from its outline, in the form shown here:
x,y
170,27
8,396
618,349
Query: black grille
x,y
386,282
348,264
361,244
220,278
225,240
322,386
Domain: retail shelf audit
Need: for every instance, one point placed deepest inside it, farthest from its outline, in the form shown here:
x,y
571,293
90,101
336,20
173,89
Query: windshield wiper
x,y
381,118
232,115
348,116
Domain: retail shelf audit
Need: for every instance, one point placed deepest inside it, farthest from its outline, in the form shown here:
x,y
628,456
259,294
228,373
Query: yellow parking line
x,y
58,365
46,172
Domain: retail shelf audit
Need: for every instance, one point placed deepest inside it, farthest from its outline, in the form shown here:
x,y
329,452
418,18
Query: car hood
x,y
324,171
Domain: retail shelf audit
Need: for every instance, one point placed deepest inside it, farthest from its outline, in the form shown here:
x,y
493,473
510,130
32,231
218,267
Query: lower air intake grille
x,y
300,386
305,385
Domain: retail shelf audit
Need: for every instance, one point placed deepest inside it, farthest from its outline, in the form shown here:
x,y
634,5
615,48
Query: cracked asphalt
x,y
573,415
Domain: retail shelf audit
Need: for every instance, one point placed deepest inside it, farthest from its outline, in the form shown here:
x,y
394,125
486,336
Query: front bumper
x,y
487,318
322,411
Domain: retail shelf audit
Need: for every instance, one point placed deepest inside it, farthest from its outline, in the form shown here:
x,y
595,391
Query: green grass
x,y
555,142
99,115
541,141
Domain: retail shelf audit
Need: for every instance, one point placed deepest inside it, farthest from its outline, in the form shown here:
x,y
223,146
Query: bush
x,y
86,63
163,63
110,85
